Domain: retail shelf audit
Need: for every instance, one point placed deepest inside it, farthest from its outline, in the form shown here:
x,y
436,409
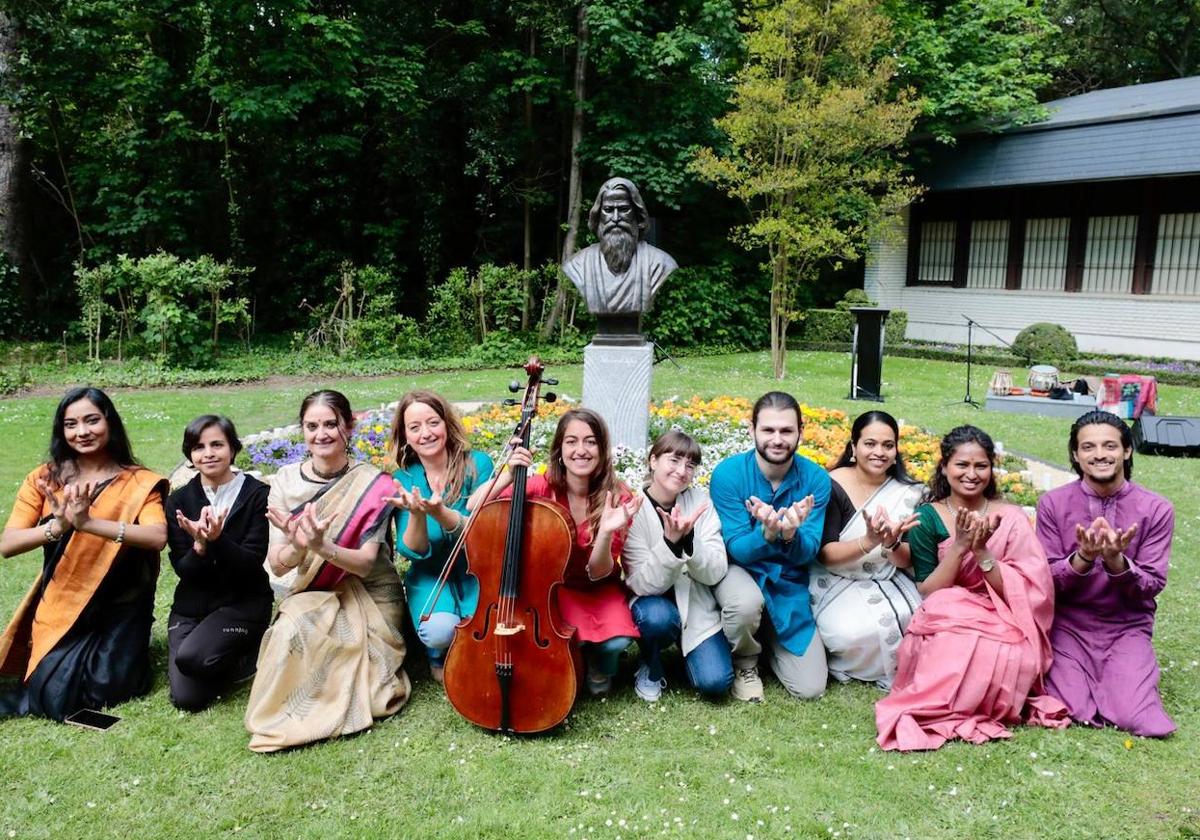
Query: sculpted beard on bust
x,y
617,244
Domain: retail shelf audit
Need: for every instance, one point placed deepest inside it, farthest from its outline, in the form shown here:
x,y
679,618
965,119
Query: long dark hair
x,y
897,470
61,453
939,486
1097,417
601,482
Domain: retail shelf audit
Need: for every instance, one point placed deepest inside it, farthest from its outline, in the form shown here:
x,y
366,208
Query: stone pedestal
x,y
616,385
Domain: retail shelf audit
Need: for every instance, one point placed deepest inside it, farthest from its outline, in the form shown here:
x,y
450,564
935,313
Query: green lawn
x,y
618,768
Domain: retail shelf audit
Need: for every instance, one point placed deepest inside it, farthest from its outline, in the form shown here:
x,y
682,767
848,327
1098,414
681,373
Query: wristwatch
x,y
986,564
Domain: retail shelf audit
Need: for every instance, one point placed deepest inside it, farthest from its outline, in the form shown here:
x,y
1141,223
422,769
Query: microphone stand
x,y
970,346
971,324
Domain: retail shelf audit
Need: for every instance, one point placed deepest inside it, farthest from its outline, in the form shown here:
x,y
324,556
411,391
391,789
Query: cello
x,y
514,665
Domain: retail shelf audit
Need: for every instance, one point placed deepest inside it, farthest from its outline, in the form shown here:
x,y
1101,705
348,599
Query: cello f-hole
x,y
482,633
535,621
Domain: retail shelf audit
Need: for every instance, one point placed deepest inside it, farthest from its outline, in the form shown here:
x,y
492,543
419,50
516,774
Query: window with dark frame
x,y
1139,237
936,264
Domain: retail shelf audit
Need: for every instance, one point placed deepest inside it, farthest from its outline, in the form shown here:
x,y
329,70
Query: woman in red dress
x,y
580,477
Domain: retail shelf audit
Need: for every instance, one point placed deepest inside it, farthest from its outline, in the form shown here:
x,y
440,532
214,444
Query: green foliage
x,y
12,379
11,315
450,319
710,305
176,306
1124,42
468,307
1045,342
662,74
854,297
973,61
814,134
836,326
363,318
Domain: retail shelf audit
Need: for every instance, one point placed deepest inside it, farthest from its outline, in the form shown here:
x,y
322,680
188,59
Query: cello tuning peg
x,y
550,381
549,396
515,386
511,402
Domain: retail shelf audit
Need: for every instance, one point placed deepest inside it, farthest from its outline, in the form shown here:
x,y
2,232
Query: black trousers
x,y
206,655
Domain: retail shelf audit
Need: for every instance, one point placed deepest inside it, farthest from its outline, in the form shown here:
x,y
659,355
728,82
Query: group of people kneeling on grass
x,y
942,595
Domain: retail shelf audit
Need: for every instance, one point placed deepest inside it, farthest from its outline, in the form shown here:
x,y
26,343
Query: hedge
x,y
988,356
837,325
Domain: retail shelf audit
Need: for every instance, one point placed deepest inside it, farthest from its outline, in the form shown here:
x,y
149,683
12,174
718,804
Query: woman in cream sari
x,y
861,599
333,660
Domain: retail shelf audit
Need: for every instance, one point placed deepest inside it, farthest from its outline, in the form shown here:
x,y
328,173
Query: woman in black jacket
x,y
217,535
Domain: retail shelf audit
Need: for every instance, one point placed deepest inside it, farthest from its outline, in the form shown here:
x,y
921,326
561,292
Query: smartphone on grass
x,y
91,719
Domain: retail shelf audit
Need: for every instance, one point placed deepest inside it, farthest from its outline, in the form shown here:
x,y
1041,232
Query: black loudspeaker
x,y
1167,435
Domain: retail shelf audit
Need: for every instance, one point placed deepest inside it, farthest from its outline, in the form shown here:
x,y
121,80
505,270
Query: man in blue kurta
x,y
771,502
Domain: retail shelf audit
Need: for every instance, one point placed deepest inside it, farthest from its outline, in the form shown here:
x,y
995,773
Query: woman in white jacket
x,y
676,568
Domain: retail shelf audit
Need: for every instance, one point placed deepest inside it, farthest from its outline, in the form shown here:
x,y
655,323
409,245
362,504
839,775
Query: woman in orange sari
x,y
80,638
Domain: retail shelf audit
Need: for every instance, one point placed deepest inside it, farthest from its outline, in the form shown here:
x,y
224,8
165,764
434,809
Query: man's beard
x,y
762,452
1105,475
618,246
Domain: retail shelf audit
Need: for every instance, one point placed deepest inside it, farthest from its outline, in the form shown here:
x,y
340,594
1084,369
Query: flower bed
x,y
719,425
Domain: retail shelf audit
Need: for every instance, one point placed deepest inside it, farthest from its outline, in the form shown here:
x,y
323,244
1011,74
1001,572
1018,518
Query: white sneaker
x,y
747,684
646,688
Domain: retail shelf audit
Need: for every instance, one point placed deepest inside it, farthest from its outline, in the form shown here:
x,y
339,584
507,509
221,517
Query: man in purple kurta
x,y
1108,541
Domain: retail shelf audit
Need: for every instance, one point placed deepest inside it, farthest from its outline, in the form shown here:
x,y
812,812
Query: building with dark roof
x,y
1089,218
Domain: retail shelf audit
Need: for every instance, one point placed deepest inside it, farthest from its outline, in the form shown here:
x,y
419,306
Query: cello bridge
x,y
509,629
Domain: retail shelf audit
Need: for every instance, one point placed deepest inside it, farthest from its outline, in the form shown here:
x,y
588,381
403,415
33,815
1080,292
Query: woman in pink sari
x,y
976,651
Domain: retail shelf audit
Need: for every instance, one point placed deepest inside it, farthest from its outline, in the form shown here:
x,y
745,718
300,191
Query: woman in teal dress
x,y
438,472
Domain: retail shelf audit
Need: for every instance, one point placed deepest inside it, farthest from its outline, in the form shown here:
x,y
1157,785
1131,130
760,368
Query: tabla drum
x,y
1001,383
1043,377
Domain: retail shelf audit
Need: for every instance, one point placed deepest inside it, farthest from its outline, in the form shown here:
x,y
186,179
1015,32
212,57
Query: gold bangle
x,y
51,537
862,547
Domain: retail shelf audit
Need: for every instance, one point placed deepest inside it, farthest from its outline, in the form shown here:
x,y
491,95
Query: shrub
x,y
467,308
12,321
854,297
710,305
1046,342
174,308
836,326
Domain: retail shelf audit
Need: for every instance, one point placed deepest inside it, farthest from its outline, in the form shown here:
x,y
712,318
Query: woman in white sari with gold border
x,y
861,599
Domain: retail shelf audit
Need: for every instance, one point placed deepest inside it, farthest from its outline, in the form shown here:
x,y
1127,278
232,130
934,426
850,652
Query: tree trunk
x,y
779,323
14,166
527,239
575,189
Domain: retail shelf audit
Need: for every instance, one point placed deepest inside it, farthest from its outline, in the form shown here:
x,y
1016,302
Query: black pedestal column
x,y
866,358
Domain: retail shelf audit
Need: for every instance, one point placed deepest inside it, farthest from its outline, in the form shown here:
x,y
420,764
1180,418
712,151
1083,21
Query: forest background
x,y
178,176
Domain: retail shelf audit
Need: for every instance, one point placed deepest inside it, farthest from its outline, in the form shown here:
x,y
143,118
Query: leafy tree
x,y
1109,43
813,137
972,60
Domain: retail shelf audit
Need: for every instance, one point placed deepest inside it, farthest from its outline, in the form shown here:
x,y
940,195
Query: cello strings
x,y
460,543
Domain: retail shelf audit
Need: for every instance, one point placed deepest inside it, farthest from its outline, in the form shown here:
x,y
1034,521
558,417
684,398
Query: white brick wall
x,y
1143,325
